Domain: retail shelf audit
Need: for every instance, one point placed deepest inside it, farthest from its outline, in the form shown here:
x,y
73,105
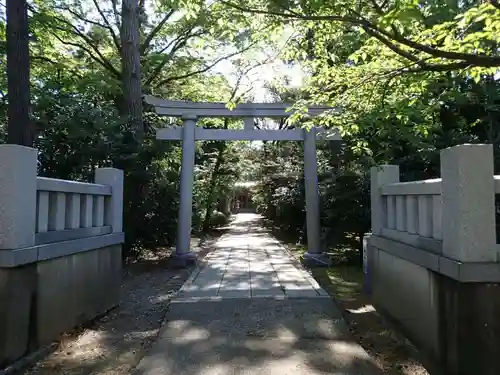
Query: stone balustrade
x,y
60,251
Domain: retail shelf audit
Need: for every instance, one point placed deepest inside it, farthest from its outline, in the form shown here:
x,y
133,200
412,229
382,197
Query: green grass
x,y
342,281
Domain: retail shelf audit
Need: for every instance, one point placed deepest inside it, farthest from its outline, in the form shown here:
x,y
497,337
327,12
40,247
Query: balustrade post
x,y
380,176
18,172
468,195
113,206
18,184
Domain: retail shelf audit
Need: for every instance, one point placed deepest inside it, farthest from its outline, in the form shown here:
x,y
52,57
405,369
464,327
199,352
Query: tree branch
x,y
440,67
205,69
81,17
391,45
179,37
169,44
116,13
180,42
386,37
377,7
103,62
57,64
477,60
145,45
91,45
293,15
242,74
116,40
470,59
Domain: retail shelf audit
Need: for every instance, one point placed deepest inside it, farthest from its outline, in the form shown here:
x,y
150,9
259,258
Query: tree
x,y
20,128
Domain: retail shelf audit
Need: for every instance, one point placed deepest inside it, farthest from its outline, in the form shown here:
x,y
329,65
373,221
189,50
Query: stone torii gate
x,y
190,133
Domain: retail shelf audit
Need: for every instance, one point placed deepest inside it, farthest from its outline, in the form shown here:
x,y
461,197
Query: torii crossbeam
x,y
190,133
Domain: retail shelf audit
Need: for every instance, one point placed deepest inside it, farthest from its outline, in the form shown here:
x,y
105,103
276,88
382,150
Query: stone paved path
x,y
250,309
250,263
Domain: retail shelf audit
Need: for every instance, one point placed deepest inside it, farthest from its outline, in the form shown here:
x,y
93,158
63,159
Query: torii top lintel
x,y
178,108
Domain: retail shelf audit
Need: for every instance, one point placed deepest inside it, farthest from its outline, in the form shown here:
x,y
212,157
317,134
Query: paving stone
x,y
301,293
183,294
268,291
235,293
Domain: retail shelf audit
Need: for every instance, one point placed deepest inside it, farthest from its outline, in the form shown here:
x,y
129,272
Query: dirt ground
x,y
114,344
391,350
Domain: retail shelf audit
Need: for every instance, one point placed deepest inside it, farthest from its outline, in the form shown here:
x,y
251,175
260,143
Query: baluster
x,y
73,211
86,206
400,213
98,214
57,211
411,214
437,212
43,212
391,212
425,215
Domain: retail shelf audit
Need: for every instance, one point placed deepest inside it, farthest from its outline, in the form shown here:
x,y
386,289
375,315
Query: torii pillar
x,y
184,223
314,253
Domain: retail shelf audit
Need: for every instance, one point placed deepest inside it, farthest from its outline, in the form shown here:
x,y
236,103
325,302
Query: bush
x,y
218,219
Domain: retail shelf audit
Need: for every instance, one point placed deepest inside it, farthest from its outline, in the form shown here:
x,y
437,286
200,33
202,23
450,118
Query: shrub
x,y
218,219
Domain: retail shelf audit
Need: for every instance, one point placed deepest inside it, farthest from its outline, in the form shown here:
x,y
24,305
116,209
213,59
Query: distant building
x,y
243,197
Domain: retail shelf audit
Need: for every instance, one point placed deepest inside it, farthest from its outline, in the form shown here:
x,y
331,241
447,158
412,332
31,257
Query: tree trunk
x,y
211,189
20,128
131,66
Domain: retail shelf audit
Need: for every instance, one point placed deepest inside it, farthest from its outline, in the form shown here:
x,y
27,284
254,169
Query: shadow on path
x,y
256,336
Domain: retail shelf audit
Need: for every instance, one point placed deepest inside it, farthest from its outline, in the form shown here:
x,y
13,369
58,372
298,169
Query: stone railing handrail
x,y
66,186
422,187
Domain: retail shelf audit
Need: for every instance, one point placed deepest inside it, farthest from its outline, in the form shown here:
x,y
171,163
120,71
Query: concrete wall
x,y
60,251
409,294
74,289
16,301
42,300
